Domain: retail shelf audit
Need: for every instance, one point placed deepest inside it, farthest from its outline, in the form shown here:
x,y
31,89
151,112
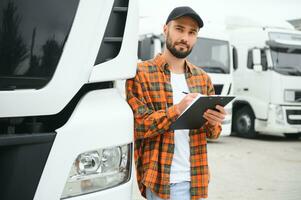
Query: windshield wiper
x,y
290,70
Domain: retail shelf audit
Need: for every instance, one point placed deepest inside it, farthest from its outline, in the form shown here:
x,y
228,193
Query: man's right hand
x,y
186,101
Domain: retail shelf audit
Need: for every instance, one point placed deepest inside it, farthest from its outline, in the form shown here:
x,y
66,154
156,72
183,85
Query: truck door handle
x,y
246,89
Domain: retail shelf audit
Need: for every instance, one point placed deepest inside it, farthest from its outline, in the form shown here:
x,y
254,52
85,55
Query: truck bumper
x,y
122,192
281,119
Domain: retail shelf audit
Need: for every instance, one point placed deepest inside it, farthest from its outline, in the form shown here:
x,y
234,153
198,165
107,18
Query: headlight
x,y
289,95
98,170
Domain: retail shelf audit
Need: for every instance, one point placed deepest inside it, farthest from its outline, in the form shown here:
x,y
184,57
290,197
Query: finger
x,y
189,99
213,117
216,113
189,96
210,121
193,95
221,109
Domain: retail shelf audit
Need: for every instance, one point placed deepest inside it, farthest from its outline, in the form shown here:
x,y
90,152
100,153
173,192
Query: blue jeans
x,y
178,191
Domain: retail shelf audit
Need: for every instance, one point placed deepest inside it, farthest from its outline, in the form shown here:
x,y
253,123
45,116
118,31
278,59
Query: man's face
x,y
181,35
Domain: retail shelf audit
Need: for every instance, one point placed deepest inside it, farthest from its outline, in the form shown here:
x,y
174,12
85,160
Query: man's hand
x,y
215,117
186,101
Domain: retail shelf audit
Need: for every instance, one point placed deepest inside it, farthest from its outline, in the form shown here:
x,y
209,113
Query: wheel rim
x,y
244,123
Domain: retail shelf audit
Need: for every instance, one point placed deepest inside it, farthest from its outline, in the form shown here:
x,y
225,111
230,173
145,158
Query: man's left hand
x,y
215,117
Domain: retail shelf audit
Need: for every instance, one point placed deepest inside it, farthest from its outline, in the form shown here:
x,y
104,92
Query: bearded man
x,y
172,164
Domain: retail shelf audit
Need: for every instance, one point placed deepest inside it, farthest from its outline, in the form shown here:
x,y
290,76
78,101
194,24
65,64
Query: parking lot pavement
x,y
266,168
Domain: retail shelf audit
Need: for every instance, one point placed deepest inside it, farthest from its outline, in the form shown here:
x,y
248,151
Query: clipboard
x,y
192,117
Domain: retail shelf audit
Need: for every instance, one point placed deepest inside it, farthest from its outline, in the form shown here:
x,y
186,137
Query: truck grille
x,y
293,117
23,158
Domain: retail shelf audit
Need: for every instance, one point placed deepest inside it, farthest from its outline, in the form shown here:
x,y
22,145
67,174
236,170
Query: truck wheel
x,y
243,123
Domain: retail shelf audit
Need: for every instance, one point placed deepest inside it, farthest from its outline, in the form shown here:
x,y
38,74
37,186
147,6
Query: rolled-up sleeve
x,y
148,122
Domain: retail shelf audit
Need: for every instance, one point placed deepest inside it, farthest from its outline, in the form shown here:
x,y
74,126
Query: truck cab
x,y
267,81
59,105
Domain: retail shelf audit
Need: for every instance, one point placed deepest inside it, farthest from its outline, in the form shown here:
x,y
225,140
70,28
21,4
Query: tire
x,y
243,123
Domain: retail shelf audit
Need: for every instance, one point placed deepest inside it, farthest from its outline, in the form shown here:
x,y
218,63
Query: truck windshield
x,y
32,37
211,55
287,61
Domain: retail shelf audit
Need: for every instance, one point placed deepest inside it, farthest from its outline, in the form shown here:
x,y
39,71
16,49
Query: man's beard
x,y
176,53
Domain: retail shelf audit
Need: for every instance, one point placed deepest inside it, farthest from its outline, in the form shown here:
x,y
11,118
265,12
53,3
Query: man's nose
x,y
184,37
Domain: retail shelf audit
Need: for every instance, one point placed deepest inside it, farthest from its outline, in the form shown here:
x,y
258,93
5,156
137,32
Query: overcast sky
x,y
218,10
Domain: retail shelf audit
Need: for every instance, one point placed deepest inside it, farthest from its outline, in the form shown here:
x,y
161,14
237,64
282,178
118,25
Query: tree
x,y
13,49
51,56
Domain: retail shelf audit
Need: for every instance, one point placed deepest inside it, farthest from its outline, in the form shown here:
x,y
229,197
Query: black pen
x,y
184,92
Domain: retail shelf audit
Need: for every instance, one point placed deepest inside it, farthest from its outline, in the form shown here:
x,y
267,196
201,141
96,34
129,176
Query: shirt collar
x,y
163,65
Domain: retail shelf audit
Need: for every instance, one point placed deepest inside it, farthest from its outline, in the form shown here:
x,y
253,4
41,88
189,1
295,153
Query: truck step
x,y
120,9
113,39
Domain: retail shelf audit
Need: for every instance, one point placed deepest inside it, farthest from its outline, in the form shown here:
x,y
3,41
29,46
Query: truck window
x,y
211,55
32,38
145,49
264,62
235,60
250,59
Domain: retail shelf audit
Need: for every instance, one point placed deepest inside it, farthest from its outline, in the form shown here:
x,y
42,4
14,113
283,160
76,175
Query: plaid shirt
x,y
149,94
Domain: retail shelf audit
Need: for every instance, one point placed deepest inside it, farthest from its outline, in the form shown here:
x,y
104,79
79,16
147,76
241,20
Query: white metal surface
x,y
121,192
260,89
124,65
101,119
77,62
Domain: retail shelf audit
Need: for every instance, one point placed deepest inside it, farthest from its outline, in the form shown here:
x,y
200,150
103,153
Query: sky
x,y
156,11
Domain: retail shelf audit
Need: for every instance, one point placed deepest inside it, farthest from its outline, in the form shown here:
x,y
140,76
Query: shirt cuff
x,y
173,113
213,131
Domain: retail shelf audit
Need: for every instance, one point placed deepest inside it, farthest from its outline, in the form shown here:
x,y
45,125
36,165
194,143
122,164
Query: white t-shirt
x,y
180,167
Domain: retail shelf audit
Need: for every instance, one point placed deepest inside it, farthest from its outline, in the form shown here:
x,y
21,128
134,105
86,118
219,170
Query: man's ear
x,y
165,27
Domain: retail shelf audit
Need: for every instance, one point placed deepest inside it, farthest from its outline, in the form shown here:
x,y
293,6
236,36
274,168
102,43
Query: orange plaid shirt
x,y
149,94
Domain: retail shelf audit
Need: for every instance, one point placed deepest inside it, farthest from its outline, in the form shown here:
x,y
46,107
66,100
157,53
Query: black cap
x,y
184,11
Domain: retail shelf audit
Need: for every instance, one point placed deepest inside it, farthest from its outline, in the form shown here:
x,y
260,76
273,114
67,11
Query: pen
x,y
184,92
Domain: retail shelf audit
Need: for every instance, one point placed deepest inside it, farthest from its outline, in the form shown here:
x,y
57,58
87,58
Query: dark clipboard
x,y
192,118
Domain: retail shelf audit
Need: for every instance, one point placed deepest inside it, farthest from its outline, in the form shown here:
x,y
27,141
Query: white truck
x,y
212,52
266,79
66,132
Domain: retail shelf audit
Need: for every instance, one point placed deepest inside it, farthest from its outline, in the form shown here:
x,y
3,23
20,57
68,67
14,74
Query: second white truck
x,y
266,79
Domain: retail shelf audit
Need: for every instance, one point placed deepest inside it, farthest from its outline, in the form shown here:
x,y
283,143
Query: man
x,y
172,164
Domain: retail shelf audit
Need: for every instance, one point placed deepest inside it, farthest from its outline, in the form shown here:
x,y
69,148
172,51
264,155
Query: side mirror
x,y
256,54
157,46
234,58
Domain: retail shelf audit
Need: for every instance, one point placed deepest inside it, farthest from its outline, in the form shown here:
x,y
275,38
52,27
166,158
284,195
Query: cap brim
x,y
194,16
